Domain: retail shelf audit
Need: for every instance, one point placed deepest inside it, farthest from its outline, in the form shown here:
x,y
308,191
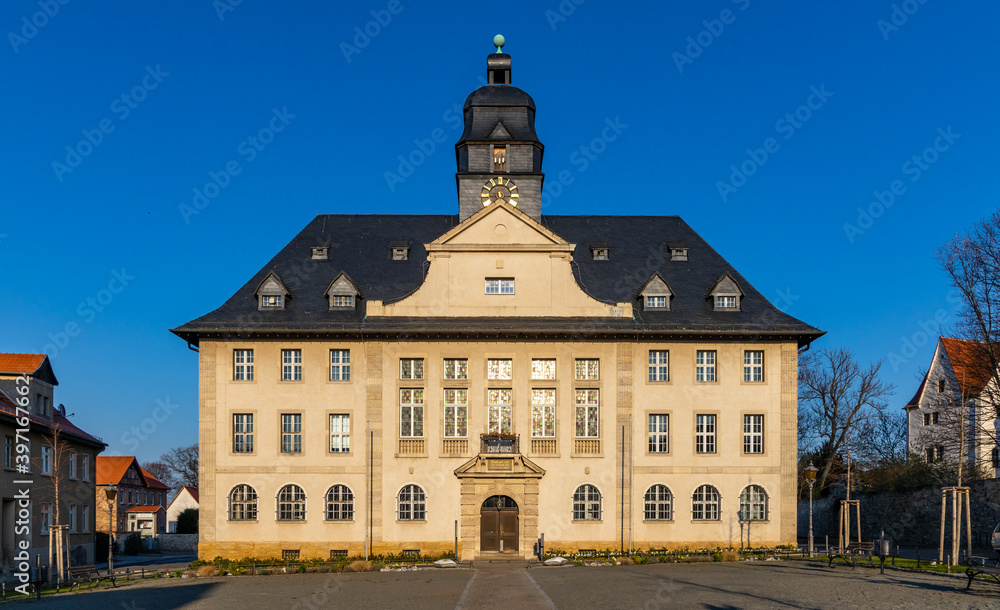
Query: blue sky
x,y
153,100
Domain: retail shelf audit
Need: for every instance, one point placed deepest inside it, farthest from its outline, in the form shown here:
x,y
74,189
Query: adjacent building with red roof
x,y
137,489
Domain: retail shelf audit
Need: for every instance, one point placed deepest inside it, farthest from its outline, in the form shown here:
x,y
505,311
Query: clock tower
x,y
499,155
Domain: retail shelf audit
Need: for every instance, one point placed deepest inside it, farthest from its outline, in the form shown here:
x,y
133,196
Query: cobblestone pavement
x,y
785,584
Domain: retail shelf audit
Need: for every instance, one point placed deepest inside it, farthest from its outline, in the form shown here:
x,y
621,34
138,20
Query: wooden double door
x,y
499,523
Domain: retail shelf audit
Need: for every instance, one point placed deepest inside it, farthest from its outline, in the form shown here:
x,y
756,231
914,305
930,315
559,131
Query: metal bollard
x,y
918,557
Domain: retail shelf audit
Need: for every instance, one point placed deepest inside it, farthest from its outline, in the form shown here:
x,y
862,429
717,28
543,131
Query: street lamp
x,y
811,479
112,492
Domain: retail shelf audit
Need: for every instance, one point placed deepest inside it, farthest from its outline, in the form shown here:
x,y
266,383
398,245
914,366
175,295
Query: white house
x,y
186,498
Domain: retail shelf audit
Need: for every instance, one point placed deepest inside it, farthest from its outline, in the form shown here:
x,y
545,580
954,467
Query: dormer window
x,y
601,254
726,295
342,293
400,254
728,302
499,158
320,253
678,254
656,302
272,300
271,293
656,294
341,300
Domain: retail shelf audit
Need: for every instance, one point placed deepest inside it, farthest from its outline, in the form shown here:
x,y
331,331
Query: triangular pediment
x,y
500,466
271,285
656,287
342,286
500,224
500,133
726,286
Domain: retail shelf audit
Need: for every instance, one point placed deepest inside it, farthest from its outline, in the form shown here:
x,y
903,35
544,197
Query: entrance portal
x,y
499,525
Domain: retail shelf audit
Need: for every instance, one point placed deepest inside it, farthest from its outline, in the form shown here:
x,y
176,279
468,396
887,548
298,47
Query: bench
x,y
977,566
89,574
850,554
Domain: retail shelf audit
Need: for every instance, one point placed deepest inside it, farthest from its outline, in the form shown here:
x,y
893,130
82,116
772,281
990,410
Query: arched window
x,y
705,504
339,503
243,503
659,503
586,503
753,503
411,504
291,503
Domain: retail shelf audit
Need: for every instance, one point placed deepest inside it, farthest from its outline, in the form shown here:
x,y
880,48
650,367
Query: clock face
x,y
497,189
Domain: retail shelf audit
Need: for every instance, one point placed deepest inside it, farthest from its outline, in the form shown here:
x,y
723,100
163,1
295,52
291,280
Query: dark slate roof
x,y
360,247
488,105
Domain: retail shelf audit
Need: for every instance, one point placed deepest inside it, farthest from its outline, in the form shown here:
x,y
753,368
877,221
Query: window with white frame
x,y
291,433
271,300
243,364
656,302
725,302
342,300
659,504
501,411
46,460
543,413
586,503
456,413
411,368
72,465
243,432
243,503
72,518
588,369
340,433
291,503
705,504
85,467
45,512
339,503
85,519
587,413
456,368
753,434
543,369
659,365
340,365
411,504
659,433
705,366
499,368
411,413
704,433
500,286
753,366
753,503
291,365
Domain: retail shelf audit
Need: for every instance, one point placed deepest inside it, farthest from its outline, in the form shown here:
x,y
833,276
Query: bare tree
x,y
838,399
183,461
58,463
162,472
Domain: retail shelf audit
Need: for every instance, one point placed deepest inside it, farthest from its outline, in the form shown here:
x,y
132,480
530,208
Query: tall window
x,y
72,465
291,503
588,369
243,503
411,368
500,286
753,434
587,413
499,158
456,413
72,518
243,365
543,369
411,413
8,451
46,460
411,504
753,503
85,467
291,433
659,504
340,365
291,365
85,519
659,365
543,413
705,504
753,366
46,510
705,366
340,433
456,368
499,368
501,416
659,433
339,503
704,433
242,433
586,503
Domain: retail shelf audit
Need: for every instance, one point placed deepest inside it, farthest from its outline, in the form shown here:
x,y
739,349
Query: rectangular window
x,y
501,411
85,467
46,460
588,369
934,417
340,433
343,300
43,525
243,364
659,365
411,368
270,300
72,465
242,433
8,451
456,368
753,366
927,419
340,365
705,366
411,413
500,286
72,518
753,434
704,434
499,369
941,385
725,302
291,433
456,413
656,302
85,519
499,158
659,433
543,413
291,365
543,369
587,413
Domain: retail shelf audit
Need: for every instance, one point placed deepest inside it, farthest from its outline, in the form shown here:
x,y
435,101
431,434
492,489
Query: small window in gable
x,y
499,158
400,254
656,294
656,302
272,300
271,293
342,293
601,254
320,253
678,254
726,295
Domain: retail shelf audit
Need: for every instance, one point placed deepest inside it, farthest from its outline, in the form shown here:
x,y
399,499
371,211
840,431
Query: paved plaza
x,y
785,584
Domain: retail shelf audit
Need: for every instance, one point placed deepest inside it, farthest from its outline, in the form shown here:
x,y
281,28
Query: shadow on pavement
x,y
131,598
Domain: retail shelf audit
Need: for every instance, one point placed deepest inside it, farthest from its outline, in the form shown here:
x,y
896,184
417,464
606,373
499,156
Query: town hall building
x,y
392,382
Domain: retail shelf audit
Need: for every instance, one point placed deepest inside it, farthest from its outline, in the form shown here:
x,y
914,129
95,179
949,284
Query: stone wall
x,y
172,543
